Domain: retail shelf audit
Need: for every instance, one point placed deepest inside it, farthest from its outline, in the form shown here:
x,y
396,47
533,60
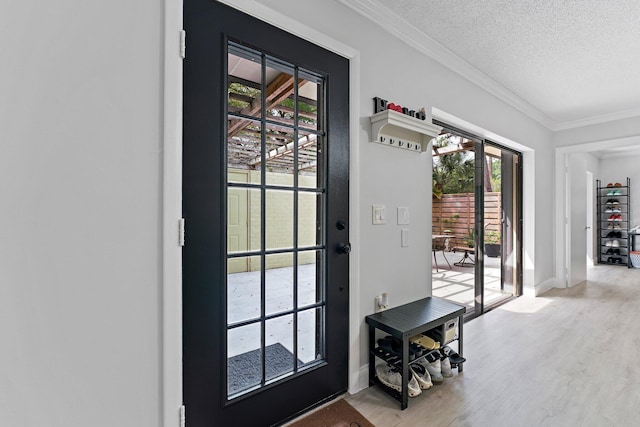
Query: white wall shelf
x,y
402,131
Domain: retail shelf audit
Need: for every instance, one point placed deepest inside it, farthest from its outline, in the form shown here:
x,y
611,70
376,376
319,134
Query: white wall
x,y
392,70
80,247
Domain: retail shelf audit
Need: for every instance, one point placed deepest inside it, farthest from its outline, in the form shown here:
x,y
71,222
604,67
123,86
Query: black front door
x,y
265,198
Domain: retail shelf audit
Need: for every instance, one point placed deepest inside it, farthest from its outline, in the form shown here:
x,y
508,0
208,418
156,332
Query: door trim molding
x,y
290,25
170,307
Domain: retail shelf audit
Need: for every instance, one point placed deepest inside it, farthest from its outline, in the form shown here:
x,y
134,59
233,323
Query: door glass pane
x,y
453,214
309,335
279,283
279,359
243,289
308,96
279,219
280,92
244,159
280,148
244,92
310,268
492,225
310,160
308,225
500,256
243,219
244,362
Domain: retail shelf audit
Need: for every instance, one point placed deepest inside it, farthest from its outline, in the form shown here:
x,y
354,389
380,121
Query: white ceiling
x,y
565,63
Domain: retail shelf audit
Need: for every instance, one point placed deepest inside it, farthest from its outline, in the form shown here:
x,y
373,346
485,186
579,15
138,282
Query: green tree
x,y
452,172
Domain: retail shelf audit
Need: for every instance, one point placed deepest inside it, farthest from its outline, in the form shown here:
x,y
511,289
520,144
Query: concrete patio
x,y
456,283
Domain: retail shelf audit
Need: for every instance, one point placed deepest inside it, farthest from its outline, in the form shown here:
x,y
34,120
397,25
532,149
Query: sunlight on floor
x,y
457,284
526,305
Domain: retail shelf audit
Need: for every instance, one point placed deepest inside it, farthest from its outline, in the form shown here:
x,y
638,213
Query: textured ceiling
x,y
573,60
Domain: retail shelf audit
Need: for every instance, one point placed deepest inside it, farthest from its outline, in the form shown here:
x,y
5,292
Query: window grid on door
x,y
303,136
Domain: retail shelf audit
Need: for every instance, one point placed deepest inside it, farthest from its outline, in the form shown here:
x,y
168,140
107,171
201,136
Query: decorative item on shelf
x,y
382,105
395,126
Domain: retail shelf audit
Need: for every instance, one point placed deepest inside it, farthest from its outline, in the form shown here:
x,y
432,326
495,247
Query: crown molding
x,y
409,34
604,118
415,38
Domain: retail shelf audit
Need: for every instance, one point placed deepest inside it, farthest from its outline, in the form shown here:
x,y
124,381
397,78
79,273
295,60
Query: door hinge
x,y
183,44
183,417
181,232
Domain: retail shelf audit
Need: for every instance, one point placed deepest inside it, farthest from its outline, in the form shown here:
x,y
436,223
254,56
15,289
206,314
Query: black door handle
x,y
343,248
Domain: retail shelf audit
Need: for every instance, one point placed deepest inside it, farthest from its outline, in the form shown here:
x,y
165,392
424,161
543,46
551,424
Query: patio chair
x,y
439,244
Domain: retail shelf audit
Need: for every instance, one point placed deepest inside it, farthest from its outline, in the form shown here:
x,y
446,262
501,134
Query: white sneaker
x,y
608,243
615,244
421,375
432,362
389,376
445,367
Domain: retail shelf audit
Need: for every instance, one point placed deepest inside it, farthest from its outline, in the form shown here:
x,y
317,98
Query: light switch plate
x,y
404,237
403,216
379,214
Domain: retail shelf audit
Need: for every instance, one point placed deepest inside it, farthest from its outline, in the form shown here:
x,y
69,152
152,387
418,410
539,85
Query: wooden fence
x,y
454,212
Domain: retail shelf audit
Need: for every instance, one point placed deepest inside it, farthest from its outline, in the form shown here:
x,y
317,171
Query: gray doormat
x,y
244,370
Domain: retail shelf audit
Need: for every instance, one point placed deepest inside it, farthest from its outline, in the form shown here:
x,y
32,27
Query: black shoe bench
x,y
403,322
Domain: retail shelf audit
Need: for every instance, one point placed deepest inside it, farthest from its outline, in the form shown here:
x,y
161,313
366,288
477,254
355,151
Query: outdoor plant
x,y
470,240
492,243
492,237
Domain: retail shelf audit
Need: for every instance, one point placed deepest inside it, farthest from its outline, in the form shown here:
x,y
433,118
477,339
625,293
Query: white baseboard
x,y
543,287
362,381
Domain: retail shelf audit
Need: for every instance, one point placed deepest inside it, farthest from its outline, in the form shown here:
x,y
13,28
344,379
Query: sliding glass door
x,y
501,225
477,226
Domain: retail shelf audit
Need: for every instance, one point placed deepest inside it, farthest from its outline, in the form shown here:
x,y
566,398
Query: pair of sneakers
x,y
439,362
391,377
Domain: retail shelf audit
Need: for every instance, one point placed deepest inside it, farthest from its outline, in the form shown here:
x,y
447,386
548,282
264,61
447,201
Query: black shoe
x,y
394,346
454,357
609,252
616,251
611,234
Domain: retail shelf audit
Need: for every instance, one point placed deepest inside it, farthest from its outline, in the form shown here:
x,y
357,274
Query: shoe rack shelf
x,y
404,322
614,214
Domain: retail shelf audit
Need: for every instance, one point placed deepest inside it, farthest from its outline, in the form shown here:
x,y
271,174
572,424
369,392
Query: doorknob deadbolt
x,y
341,225
344,248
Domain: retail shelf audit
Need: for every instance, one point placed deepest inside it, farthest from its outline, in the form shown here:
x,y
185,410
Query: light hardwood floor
x,y
567,358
